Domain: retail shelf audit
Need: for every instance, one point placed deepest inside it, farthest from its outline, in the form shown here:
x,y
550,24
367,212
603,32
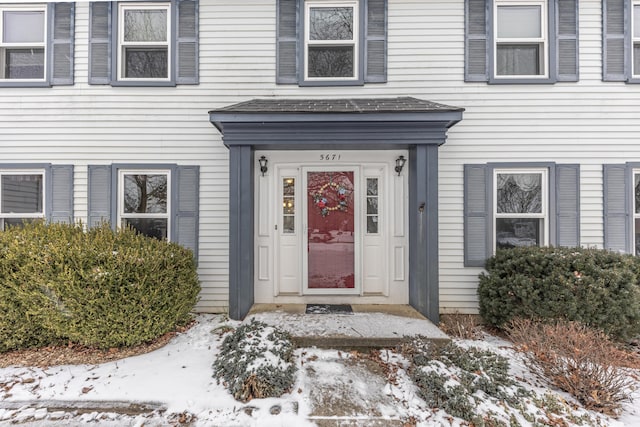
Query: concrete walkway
x,y
369,326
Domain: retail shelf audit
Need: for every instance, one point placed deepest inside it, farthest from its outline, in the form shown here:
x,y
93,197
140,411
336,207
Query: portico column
x,y
423,230
241,222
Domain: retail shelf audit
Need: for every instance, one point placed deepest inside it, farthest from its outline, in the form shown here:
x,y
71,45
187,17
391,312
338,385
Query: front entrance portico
x,y
272,126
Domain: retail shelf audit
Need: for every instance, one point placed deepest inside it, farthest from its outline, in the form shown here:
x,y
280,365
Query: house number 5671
x,y
332,156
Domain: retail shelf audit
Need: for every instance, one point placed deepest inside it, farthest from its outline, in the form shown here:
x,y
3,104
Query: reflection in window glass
x,y
288,205
21,198
372,205
330,39
520,215
144,203
145,25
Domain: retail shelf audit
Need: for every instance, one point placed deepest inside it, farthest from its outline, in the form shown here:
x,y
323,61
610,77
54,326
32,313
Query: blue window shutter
x,y
614,42
186,211
100,194
616,216
475,41
476,214
375,41
567,213
100,43
61,39
567,40
187,42
288,22
61,193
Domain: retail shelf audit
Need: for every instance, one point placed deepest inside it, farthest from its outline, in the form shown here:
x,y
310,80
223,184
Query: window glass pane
x,y
24,63
145,25
146,63
331,23
519,21
519,193
21,194
331,61
288,206
512,232
288,224
372,224
23,27
637,192
518,60
372,205
372,186
636,21
288,186
152,227
145,194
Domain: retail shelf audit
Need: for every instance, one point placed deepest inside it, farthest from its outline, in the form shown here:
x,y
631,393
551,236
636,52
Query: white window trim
x,y
120,208
42,45
634,39
544,212
122,44
34,215
354,42
543,39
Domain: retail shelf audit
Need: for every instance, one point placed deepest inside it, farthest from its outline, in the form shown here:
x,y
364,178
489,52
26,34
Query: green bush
x,y
98,288
595,287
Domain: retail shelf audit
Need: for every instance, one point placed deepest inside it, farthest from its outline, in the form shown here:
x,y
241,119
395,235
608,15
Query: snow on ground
x,y
177,380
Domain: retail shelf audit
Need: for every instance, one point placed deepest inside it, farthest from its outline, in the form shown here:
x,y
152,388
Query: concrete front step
x,y
369,327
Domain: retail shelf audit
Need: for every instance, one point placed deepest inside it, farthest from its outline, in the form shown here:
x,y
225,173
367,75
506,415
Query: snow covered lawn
x,y
177,381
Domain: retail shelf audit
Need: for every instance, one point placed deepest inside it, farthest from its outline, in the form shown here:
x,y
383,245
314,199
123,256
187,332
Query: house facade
x,y
338,151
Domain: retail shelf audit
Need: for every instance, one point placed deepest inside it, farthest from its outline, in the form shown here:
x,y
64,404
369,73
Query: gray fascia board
x,y
427,116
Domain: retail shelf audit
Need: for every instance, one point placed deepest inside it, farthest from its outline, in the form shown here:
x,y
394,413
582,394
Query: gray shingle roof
x,y
351,105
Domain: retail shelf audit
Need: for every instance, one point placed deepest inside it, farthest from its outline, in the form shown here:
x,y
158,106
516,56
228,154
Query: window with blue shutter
x,y
160,201
621,41
529,41
518,204
330,44
144,44
36,45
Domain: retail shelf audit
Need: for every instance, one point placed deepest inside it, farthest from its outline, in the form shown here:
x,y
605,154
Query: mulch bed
x,y
72,354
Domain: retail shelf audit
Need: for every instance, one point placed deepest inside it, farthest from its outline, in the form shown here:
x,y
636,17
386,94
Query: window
x,y
143,202
331,42
21,197
144,43
372,206
288,205
510,204
331,48
520,212
521,41
36,44
160,201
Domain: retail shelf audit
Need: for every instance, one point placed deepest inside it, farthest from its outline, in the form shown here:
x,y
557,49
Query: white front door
x,y
331,227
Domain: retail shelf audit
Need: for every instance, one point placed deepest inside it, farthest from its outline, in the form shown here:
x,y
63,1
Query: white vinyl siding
x,y
590,122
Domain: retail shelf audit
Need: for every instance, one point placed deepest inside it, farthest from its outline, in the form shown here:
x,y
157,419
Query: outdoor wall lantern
x,y
400,161
263,164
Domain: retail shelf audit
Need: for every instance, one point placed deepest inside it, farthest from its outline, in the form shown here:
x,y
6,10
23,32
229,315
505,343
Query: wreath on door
x,y
322,203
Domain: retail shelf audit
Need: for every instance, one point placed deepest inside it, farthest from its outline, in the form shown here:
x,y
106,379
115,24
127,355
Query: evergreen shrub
x,y
256,361
98,288
595,287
